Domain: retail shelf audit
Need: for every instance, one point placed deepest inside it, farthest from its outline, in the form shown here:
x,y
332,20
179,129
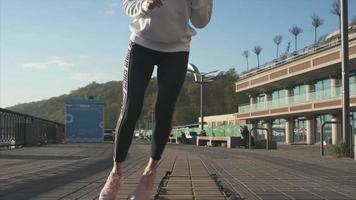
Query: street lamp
x,y
202,79
347,138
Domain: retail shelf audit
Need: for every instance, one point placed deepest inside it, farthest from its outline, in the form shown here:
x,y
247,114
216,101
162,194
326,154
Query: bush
x,y
340,150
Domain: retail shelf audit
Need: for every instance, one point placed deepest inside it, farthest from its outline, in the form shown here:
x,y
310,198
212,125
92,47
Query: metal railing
x,y
17,129
295,55
332,92
256,129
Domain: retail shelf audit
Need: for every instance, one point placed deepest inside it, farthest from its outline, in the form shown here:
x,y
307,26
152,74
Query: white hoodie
x,y
167,28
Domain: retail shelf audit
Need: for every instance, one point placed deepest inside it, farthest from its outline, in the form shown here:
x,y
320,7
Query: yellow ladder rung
x,y
196,188
188,180
188,176
191,195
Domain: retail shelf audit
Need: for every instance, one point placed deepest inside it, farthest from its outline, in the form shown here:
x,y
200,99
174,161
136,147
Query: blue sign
x,y
84,120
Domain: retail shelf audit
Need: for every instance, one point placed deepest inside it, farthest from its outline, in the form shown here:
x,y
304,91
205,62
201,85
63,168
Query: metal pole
x,y
322,140
353,135
345,75
249,138
201,102
268,135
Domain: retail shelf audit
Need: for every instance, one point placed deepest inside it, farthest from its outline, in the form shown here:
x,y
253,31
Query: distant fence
x,y
17,129
223,130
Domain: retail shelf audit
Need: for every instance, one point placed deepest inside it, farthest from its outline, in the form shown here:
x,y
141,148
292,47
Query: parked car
x,y
109,135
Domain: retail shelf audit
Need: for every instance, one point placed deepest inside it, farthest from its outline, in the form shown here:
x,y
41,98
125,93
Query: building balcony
x,y
311,103
310,65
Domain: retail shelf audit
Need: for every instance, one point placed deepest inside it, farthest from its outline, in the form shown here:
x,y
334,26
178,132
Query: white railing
x,y
330,93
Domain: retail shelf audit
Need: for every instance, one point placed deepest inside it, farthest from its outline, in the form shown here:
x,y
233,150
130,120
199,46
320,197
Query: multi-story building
x,y
293,96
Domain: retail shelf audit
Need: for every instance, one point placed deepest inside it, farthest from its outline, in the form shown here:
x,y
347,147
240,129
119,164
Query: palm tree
x,y
296,30
335,9
316,22
246,54
277,40
257,50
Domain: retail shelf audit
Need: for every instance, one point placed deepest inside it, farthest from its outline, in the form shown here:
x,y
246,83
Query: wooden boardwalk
x,y
78,171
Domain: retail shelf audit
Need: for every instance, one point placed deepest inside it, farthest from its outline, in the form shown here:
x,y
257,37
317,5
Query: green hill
x,y
220,98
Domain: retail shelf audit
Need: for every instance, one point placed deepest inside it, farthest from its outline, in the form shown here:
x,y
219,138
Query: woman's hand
x,y
153,4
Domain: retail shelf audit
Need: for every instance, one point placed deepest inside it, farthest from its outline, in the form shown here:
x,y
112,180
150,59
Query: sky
x,y
49,48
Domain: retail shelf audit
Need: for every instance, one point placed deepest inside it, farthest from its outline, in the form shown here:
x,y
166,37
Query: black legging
x,y
139,65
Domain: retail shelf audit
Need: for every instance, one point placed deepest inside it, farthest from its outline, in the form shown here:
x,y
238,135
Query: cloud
x,y
53,62
98,77
112,9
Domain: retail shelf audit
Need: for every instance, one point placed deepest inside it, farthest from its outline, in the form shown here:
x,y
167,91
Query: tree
x,y
296,30
246,54
277,40
257,50
316,22
335,10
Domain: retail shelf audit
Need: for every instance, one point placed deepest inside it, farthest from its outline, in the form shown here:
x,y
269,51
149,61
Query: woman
x,y
160,35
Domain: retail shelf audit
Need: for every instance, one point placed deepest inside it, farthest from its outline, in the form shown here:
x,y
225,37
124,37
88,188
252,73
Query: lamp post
x,y
345,76
202,79
202,102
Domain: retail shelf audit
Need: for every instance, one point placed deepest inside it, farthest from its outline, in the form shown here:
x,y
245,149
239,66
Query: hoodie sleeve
x,y
201,12
135,8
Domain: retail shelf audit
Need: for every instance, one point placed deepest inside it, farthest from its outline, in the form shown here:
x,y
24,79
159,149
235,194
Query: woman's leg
x,y
172,69
138,69
171,75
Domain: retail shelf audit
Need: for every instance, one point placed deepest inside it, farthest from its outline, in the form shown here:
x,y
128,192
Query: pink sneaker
x,y
112,185
144,189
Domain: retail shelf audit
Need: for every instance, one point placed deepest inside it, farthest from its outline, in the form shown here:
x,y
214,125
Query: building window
x,y
278,97
323,88
299,93
261,101
261,134
278,130
261,98
299,130
327,128
353,82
